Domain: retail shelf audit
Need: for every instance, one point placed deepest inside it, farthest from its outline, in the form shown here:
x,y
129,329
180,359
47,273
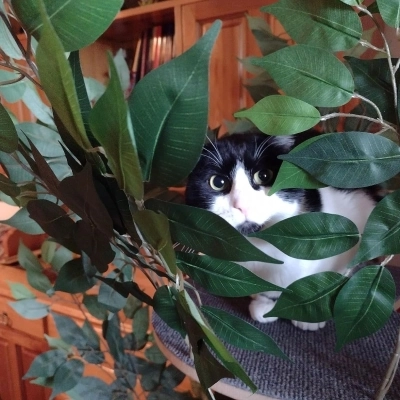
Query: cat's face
x,y
233,177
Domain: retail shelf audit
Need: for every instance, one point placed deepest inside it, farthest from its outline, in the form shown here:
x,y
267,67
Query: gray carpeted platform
x,y
317,371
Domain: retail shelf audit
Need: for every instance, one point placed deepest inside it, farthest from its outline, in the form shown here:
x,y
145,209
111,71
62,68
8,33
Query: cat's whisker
x,y
212,156
212,159
263,146
218,154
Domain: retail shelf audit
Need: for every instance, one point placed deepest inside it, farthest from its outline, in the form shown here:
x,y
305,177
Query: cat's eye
x,y
218,183
262,177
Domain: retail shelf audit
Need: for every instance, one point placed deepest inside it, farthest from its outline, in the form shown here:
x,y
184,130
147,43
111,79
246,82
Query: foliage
x,y
94,176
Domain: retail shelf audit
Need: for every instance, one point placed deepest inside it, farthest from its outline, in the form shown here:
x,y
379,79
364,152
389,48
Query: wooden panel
x,y
227,94
8,390
15,321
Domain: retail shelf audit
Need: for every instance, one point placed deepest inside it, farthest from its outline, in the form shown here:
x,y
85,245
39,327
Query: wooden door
x,y
227,94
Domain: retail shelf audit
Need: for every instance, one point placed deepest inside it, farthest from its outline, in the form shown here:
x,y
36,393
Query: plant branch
x,y
376,108
348,115
390,372
388,54
26,53
8,65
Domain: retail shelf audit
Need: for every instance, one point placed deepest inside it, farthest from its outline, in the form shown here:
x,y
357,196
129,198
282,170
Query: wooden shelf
x,y
133,20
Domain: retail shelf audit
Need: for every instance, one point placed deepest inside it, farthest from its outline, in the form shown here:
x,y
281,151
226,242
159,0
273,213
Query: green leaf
x,y
311,74
140,323
228,361
61,256
281,115
390,12
309,299
155,229
266,40
349,159
165,307
239,333
46,364
208,233
318,22
46,140
57,343
69,331
93,306
154,355
20,291
30,308
110,298
221,277
169,108
8,133
8,44
72,278
13,91
382,232
67,376
109,124
372,79
59,86
8,187
21,221
91,387
312,236
36,106
112,333
73,20
364,304
36,278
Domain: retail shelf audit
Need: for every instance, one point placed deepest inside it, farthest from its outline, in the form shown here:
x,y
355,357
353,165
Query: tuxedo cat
x,y
232,179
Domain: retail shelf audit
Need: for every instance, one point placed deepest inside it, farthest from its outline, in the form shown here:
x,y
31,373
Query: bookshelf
x,y
190,18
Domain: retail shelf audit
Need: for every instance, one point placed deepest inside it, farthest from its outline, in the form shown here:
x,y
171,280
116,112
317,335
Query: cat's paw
x,y
260,306
308,326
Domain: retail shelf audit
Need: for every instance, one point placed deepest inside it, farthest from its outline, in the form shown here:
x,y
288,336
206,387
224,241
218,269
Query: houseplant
x,y
104,200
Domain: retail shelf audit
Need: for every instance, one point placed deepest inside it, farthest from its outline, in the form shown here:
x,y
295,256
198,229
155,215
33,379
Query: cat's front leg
x,y
259,306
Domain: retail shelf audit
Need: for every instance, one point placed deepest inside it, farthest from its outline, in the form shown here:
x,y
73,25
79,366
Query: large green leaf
x,y
109,124
208,233
240,333
382,232
221,277
155,229
30,308
372,79
312,236
349,159
323,23
266,40
165,306
8,133
67,376
46,364
78,23
281,115
46,140
22,221
58,83
169,108
311,74
220,350
390,12
309,299
364,304
292,176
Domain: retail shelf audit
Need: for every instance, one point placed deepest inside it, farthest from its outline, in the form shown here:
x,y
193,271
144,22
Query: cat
x,y
232,179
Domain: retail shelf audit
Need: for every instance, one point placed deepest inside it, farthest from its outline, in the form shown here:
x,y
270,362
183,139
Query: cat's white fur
x,y
244,204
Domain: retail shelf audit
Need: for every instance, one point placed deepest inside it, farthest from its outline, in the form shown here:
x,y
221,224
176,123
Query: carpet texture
x,y
316,372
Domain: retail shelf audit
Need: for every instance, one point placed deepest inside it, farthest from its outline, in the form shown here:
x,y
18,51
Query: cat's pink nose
x,y
241,207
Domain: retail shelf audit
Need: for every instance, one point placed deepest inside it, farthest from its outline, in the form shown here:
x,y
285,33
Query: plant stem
x,y
347,115
376,108
390,372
